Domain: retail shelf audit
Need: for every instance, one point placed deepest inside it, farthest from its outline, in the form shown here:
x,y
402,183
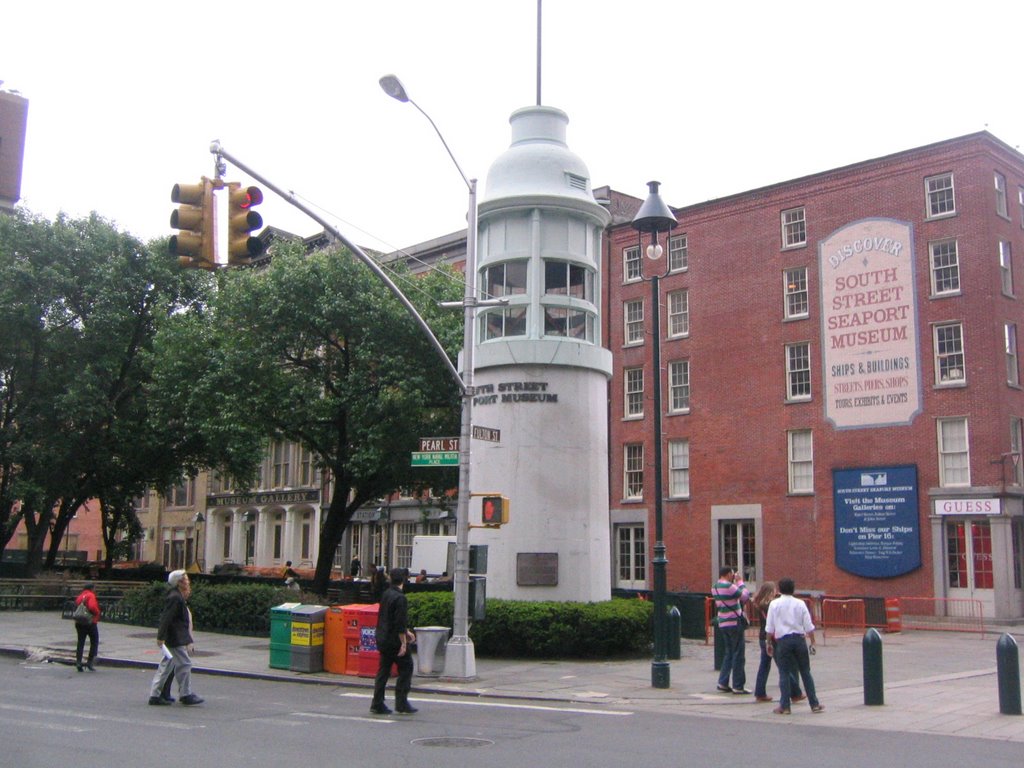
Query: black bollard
x,y
674,628
719,647
874,693
1008,674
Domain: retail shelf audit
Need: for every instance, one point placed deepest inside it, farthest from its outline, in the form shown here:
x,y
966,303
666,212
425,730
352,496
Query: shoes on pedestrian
x,y
799,697
90,667
191,700
158,701
818,708
782,711
407,709
380,709
741,690
764,698
79,667
724,689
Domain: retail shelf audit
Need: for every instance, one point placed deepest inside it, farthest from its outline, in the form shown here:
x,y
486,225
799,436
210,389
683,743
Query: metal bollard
x,y
874,693
674,628
719,647
1008,674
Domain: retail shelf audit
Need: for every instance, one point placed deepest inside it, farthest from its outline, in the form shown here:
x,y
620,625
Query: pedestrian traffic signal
x,y
494,510
194,243
242,220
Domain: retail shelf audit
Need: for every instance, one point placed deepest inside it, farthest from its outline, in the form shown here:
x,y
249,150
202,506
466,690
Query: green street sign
x,y
435,458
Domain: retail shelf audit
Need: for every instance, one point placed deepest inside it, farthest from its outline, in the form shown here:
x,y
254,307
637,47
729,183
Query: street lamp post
x,y
198,519
654,217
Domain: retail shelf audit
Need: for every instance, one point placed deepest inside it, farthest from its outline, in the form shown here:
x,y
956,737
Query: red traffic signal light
x,y
242,221
494,510
193,244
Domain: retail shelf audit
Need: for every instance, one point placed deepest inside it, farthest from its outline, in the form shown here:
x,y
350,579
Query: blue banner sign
x,y
878,528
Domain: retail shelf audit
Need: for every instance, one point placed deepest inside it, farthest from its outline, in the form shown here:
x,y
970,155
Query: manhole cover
x,y
448,741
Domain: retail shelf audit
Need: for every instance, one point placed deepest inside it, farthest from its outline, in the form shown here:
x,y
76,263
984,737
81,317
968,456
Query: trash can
x,y
308,638
335,641
428,640
281,635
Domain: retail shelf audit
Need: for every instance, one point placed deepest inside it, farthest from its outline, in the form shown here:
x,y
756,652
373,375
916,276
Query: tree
x,y
314,349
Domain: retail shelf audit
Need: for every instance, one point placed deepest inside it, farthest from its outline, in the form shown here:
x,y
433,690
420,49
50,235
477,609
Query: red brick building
x,y
842,397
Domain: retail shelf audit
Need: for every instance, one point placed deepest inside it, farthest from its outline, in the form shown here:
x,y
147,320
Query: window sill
x,y
794,247
794,318
632,501
958,384
941,216
797,400
945,295
800,493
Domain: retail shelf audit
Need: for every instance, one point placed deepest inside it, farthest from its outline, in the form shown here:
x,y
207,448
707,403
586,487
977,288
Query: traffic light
x,y
242,220
194,244
494,510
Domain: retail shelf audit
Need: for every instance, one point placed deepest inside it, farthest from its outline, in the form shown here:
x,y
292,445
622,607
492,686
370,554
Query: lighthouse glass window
x,y
564,279
505,279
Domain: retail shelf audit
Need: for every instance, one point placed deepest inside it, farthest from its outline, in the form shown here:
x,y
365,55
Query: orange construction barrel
x,y
893,617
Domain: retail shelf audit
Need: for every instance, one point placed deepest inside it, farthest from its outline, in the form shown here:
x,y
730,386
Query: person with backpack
x,y
87,617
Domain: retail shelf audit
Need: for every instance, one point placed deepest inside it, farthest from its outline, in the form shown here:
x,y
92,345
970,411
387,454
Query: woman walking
x,y
762,600
87,626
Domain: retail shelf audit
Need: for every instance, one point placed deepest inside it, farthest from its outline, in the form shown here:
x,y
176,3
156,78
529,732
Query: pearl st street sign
x,y
444,451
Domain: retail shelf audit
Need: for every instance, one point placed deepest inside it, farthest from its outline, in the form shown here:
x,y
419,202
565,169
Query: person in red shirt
x,y
88,629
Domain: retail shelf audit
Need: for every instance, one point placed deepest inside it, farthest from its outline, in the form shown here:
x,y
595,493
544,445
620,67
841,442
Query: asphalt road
x,y
51,715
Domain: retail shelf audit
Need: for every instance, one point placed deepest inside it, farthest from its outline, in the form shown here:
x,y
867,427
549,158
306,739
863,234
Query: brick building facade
x,y
841,382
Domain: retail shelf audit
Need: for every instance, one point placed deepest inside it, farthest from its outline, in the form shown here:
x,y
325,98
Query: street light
x,y
654,217
460,659
198,519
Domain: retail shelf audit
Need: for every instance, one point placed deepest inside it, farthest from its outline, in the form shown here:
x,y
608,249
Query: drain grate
x,y
449,741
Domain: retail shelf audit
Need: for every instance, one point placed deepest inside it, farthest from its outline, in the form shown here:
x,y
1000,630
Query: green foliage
x,y
546,629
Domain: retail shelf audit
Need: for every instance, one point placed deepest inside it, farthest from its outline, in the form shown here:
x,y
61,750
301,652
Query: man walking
x,y
393,639
789,627
175,639
730,594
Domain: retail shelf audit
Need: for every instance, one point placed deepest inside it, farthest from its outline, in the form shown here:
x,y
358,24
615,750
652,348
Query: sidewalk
x,y
935,682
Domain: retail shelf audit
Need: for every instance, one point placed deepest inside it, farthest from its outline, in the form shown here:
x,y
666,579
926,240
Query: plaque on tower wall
x,y
869,335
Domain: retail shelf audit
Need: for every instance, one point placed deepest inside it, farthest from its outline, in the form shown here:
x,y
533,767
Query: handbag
x,y
82,614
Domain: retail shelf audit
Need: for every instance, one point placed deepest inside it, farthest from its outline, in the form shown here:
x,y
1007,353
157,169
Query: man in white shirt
x,y
788,627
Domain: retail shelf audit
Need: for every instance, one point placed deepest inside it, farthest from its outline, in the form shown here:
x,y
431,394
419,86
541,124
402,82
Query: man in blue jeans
x,y
789,627
730,595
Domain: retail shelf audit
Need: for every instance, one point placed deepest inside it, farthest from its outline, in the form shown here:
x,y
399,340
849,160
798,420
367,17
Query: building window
x,y
306,467
634,384
404,533
226,550
631,557
939,193
1006,267
507,279
678,254
969,554
505,321
794,228
305,547
945,267
564,279
801,461
181,494
281,466
631,264
737,540
1020,200
795,287
633,474
678,314
954,458
1012,371
798,371
1001,206
949,353
571,323
1016,447
634,316
1017,534
679,386
679,469
278,536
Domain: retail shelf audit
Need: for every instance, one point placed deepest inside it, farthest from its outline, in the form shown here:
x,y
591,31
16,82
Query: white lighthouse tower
x,y
541,373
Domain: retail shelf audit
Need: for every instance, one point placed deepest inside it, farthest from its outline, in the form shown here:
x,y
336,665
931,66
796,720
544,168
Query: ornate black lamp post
x,y
655,217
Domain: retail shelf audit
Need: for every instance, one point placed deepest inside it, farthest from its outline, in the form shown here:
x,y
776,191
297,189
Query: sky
x,y
711,99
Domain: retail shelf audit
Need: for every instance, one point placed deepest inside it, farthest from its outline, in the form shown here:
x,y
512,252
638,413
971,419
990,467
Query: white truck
x,y
430,553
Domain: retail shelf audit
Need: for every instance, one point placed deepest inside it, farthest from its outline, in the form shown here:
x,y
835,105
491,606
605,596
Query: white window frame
x,y
800,461
1006,266
1020,201
678,303
633,321
404,534
944,262
633,393
679,386
678,254
948,354
631,264
796,303
1012,360
1002,206
938,194
798,371
794,228
630,556
1016,449
954,452
679,469
633,471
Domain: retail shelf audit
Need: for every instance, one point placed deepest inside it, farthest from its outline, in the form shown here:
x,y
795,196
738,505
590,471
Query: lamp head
x,y
393,87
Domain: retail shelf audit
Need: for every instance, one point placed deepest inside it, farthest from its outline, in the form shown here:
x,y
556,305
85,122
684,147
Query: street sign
x,y
435,458
486,433
428,444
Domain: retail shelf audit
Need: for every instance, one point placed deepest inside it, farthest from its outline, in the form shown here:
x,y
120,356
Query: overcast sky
x,y
709,98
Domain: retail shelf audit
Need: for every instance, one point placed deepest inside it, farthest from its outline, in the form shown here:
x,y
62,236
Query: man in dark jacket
x,y
175,640
393,640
